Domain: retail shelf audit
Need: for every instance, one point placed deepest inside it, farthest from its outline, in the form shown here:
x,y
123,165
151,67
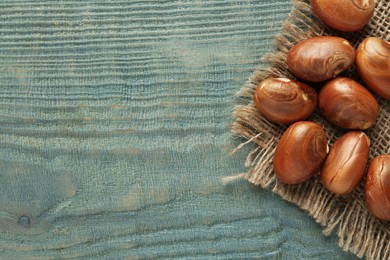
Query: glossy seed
x,y
347,104
373,65
320,58
285,101
300,152
346,163
377,187
344,15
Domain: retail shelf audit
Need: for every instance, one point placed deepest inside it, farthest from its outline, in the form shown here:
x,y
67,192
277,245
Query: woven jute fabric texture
x,y
357,230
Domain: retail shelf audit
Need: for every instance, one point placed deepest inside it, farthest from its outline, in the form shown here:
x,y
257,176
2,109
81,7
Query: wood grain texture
x,y
115,133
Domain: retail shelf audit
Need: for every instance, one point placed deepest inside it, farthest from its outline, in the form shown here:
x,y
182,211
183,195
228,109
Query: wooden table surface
x,y
115,133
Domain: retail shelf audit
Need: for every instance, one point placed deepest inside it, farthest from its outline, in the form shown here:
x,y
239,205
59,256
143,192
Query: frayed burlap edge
x,y
358,231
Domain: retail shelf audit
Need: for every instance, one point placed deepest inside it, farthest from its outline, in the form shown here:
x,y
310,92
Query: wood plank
x,y
115,133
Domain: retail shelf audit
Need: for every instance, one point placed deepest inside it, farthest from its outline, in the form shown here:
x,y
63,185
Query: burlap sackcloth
x,y
357,230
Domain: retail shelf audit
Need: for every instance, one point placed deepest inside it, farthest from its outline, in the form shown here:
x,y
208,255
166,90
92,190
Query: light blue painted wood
x,y
115,133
